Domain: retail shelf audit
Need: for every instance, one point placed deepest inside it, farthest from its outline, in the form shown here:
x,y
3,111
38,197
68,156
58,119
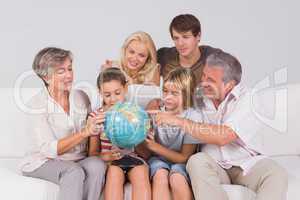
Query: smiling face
x,y
61,77
172,97
212,82
186,43
112,92
136,55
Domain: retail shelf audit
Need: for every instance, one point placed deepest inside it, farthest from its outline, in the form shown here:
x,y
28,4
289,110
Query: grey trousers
x,y
267,179
81,180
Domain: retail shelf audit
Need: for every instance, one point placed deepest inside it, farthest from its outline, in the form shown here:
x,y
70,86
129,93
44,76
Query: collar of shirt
x,y
218,115
54,107
233,95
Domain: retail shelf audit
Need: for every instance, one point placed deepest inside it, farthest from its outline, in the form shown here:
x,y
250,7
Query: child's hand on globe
x,y
94,124
150,134
111,155
150,144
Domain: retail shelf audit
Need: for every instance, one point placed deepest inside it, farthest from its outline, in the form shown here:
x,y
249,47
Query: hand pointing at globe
x,y
164,118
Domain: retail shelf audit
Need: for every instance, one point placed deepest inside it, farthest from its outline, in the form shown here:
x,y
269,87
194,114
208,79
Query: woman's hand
x,y
109,64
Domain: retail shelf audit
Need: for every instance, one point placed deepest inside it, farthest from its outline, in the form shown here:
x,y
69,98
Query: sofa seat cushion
x,y
15,186
292,166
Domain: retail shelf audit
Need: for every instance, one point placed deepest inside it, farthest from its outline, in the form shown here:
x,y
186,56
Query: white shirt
x,y
235,112
48,123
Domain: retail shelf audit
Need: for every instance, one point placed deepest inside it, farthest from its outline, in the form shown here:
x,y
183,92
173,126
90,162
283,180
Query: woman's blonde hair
x,y
184,80
151,67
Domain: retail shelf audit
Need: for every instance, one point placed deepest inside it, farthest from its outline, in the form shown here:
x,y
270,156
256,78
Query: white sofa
x,y
283,145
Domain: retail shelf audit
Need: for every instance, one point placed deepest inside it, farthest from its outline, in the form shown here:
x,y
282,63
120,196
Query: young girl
x,y
170,146
122,164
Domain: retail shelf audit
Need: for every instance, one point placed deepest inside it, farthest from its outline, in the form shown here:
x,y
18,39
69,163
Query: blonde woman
x,y
138,59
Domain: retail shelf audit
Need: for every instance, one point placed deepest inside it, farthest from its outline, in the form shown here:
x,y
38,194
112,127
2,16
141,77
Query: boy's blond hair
x,y
184,80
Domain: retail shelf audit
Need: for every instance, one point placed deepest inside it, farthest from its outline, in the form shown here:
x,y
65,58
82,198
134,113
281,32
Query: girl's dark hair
x,y
111,74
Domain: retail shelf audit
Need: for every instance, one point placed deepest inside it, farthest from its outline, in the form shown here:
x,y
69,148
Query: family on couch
x,y
72,151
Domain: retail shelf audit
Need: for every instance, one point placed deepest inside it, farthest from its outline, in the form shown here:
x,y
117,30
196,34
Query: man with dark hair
x,y
185,31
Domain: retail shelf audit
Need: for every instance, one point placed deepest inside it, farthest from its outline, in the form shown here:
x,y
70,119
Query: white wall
x,y
262,34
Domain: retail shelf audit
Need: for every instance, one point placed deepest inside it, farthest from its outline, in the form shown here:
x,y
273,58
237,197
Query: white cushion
x,y
292,166
142,94
14,186
12,164
13,141
278,110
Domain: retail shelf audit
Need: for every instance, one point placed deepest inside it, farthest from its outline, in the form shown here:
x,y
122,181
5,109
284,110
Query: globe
x,y
126,125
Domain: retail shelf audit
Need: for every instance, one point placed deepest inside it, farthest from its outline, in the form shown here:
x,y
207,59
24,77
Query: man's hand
x,y
165,118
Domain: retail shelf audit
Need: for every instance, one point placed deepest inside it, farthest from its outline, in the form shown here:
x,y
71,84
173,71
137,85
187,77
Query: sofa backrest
x,y
142,94
13,140
278,109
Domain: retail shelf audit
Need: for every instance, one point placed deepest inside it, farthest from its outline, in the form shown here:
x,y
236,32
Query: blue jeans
x,y
157,163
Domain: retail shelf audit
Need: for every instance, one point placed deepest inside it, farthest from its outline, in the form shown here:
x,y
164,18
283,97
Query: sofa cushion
x,y
14,186
14,142
142,94
292,166
12,164
278,110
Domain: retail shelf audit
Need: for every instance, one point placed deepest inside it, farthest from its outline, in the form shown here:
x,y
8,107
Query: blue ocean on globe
x,y
126,125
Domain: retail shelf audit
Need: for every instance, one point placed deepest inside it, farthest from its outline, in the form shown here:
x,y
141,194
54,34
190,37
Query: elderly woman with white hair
x,y
61,129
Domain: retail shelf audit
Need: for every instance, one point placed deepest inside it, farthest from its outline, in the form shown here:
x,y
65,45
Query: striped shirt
x,y
105,144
